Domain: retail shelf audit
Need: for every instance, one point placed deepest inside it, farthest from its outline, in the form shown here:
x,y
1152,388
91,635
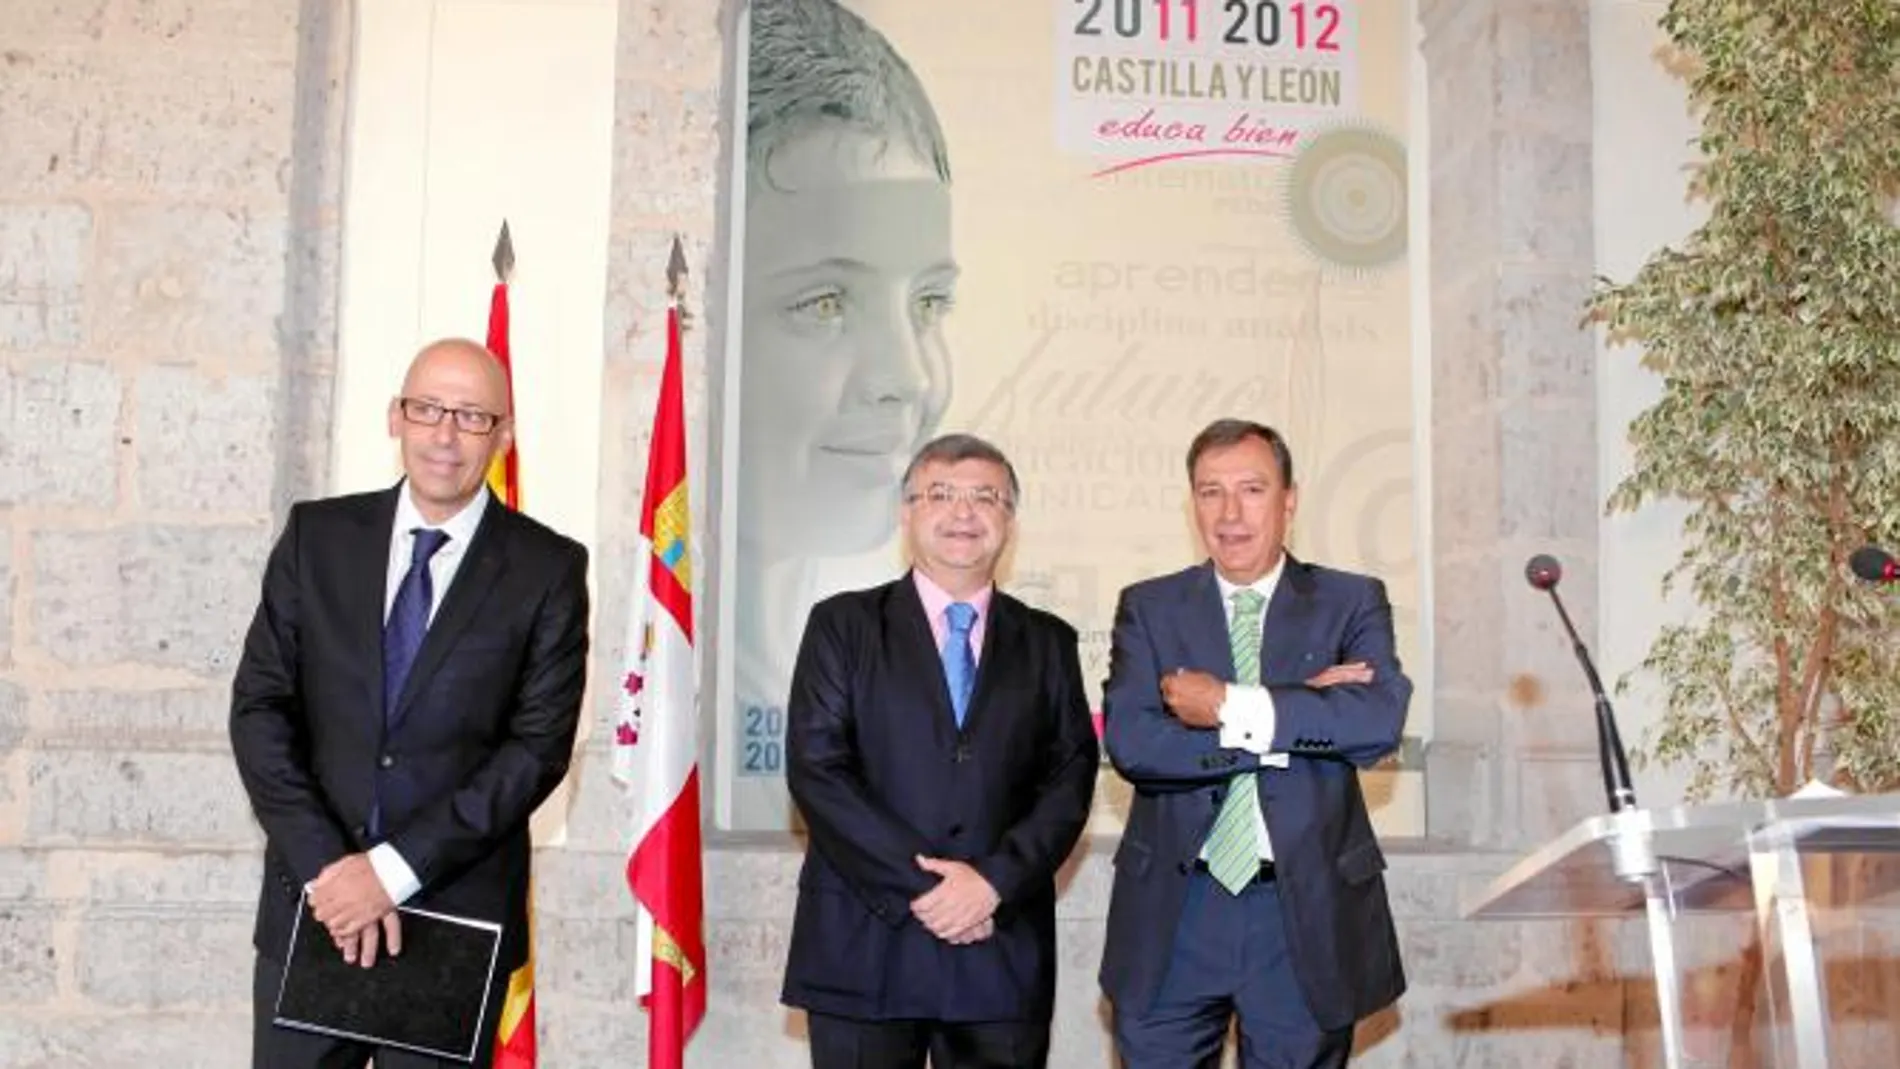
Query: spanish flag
x,y
514,1039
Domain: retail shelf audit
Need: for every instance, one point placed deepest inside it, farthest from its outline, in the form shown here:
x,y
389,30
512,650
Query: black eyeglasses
x,y
429,414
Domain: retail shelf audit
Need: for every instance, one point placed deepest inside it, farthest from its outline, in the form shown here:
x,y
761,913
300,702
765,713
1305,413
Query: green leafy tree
x,y
1775,328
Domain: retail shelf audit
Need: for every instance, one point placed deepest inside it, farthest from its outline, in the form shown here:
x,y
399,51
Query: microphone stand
x,y
1616,765
1632,849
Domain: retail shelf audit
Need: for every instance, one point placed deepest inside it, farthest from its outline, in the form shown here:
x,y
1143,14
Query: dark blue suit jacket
x,y
881,773
1339,927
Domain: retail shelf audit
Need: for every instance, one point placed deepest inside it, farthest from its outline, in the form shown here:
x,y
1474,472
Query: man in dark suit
x,y
408,693
942,755
1243,696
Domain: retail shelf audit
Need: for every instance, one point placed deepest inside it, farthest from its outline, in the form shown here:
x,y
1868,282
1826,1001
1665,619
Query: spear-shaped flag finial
x,y
676,271
504,258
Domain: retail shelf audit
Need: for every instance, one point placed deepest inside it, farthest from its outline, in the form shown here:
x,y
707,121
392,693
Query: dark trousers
x,y
1229,960
274,1047
847,1043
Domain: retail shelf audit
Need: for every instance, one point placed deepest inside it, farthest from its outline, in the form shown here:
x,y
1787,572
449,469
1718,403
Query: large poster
x,y
1082,229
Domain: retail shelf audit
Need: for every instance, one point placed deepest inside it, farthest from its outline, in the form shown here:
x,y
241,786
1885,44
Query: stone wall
x,y
168,205
1514,427
169,179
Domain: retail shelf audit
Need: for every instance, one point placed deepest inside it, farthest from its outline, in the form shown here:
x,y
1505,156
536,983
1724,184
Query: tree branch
x,y
1817,671
1787,710
1732,709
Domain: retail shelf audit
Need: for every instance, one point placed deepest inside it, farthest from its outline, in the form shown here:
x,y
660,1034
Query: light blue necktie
x,y
959,660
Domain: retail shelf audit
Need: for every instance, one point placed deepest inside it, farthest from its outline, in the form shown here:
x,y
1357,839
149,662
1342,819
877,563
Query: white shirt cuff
x,y
398,879
1247,721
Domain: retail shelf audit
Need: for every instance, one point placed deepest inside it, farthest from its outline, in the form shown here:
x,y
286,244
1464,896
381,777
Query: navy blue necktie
x,y
402,638
409,617
959,660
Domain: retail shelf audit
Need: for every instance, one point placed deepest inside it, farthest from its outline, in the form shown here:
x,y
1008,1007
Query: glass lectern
x,y
1806,868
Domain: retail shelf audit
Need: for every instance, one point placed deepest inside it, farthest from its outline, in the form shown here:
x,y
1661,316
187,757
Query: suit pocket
x,y
837,947
1133,857
1361,863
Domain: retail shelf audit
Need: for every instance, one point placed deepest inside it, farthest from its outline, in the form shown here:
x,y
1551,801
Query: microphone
x,y
1874,564
1543,573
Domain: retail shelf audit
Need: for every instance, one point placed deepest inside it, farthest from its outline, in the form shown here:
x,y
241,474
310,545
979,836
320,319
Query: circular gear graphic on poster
x,y
1345,197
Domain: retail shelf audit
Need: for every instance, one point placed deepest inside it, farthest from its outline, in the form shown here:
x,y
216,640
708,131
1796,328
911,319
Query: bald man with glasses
x,y
408,694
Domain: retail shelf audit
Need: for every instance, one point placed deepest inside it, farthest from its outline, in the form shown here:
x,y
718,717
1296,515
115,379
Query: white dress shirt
x,y
1246,712
398,879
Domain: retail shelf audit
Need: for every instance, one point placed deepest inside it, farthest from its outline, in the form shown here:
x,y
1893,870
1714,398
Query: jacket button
x,y
386,761
1185,867
956,829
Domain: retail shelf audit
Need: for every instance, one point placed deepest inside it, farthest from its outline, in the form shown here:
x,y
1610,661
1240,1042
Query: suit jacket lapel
x,y
474,579
915,649
1002,631
1282,647
1203,625
367,592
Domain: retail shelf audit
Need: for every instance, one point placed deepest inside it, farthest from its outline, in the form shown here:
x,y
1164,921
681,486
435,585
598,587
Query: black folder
x,y
432,998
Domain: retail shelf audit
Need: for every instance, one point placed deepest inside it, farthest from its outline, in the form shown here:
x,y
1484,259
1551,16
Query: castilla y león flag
x,y
656,740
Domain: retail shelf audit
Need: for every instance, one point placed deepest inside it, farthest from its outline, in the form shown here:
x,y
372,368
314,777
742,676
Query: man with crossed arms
x,y
1243,696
